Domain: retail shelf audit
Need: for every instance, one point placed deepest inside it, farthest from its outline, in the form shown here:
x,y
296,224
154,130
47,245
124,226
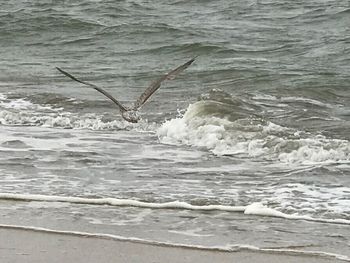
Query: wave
x,y
228,248
219,123
20,104
65,121
192,48
134,28
71,121
345,11
23,112
48,20
257,209
229,126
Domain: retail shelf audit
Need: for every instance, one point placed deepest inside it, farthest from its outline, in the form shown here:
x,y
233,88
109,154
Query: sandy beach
x,y
32,246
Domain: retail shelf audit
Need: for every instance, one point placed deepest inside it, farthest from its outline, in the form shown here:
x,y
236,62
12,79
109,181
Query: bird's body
x,y
131,114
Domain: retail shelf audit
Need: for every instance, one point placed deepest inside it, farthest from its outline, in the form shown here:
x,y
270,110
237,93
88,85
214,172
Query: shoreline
x,y
20,244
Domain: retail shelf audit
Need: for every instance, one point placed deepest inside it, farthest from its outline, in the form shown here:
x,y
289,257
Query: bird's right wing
x,y
95,87
155,85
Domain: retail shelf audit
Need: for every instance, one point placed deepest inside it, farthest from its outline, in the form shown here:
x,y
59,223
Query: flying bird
x,y
131,114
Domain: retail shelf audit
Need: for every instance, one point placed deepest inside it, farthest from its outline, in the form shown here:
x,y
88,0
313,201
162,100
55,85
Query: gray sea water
x,y
258,126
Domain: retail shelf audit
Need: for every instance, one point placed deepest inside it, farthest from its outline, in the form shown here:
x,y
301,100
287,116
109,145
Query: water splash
x,y
214,130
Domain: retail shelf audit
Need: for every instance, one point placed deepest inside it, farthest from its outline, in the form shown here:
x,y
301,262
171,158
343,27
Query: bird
x,y
131,114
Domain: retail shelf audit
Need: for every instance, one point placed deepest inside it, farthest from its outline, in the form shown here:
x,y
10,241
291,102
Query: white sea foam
x,y
306,100
68,120
318,150
269,141
227,248
260,209
252,209
291,99
24,112
22,104
191,233
2,97
331,200
120,202
261,96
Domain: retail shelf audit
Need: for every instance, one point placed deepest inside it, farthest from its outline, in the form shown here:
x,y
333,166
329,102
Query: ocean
x,y
247,149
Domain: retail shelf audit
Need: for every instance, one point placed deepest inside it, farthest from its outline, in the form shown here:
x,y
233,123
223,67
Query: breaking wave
x,y
230,127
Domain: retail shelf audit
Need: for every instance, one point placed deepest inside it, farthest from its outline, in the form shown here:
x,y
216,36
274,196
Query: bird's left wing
x,y
121,106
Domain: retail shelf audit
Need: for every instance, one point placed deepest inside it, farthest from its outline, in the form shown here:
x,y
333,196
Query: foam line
x,y
229,248
260,209
120,202
252,209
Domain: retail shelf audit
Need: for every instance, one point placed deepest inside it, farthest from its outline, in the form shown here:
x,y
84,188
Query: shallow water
x,y
249,147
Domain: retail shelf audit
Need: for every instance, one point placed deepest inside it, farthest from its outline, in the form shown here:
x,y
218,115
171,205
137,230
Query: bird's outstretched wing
x,y
122,108
155,85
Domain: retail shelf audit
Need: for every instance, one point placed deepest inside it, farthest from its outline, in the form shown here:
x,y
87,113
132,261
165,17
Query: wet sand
x,y
31,246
